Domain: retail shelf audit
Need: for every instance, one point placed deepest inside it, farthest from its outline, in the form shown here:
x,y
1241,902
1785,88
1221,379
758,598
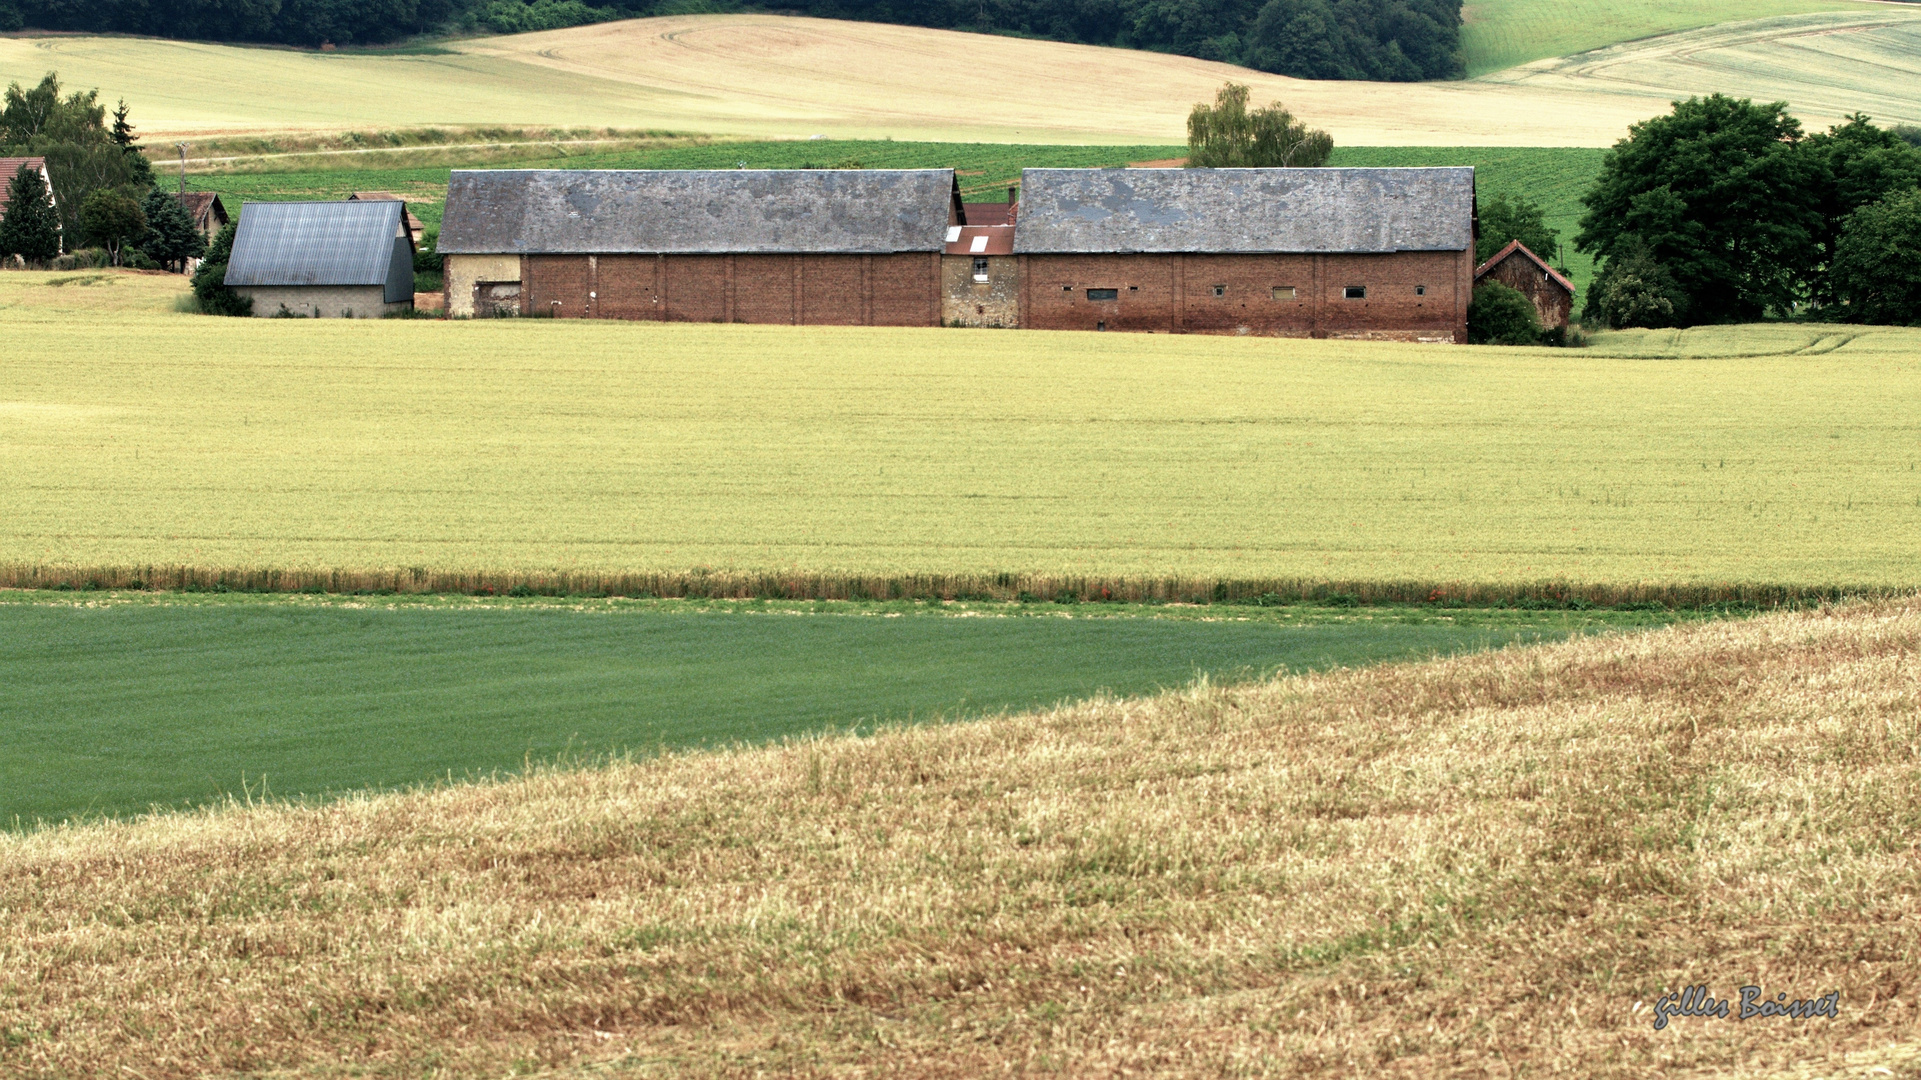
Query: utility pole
x,y
182,147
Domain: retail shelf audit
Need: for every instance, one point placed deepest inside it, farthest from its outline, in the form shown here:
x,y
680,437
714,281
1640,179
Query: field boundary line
x,y
1008,587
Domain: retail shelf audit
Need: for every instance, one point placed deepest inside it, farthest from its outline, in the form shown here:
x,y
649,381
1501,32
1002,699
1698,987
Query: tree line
x,y
1724,210
103,190
1398,40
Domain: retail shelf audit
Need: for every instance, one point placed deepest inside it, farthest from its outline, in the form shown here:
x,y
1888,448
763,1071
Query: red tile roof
x,y
10,167
209,214
1516,246
990,213
980,239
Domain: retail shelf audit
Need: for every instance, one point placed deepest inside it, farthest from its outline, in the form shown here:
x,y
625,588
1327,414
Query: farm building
x,y
347,260
10,167
1379,254
814,246
414,228
1519,268
209,214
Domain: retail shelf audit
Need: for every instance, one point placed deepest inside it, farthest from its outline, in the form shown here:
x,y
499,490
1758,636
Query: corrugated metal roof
x,y
980,240
696,211
315,243
1065,211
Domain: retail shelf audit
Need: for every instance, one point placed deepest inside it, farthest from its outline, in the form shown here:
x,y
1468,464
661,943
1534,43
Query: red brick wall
x,y
1176,293
842,290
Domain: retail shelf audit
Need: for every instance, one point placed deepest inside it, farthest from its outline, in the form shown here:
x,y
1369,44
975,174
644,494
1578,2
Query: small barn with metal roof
x,y
350,260
840,246
1362,253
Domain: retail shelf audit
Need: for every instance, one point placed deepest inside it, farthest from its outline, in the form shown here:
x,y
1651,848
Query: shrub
x,y
209,282
1501,315
1633,289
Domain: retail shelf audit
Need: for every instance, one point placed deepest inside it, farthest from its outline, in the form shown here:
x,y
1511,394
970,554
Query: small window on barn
x,y
1420,290
980,269
1283,292
1103,294
1220,290
1354,292
1067,288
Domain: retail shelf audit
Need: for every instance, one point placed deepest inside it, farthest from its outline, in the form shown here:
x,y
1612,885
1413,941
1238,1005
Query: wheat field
x,y
1490,865
1780,454
776,76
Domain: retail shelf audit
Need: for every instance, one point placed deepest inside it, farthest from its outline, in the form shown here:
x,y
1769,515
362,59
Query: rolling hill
x,y
774,76
1501,34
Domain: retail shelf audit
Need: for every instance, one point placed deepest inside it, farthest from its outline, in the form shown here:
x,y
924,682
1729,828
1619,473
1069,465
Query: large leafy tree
x,y
71,133
1877,262
30,228
113,219
1225,135
1857,164
1724,200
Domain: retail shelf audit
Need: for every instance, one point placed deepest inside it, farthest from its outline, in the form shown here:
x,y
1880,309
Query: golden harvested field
x,y
776,76
1770,454
1491,865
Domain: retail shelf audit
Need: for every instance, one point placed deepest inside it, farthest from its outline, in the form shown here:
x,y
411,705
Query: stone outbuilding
x,y
980,277
209,214
1517,267
328,260
849,247
1376,254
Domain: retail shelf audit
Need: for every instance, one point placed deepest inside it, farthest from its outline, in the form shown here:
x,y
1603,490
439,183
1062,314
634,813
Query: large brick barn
x,y
1360,253
1355,253
819,246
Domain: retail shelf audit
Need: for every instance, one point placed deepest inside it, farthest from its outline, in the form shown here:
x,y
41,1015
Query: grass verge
x,y
1493,863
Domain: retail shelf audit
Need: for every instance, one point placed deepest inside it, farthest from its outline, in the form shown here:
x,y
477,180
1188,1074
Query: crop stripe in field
x,y
737,585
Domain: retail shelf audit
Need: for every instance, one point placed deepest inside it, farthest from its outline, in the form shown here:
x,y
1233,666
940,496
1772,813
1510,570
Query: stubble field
x,y
768,76
1781,455
1488,865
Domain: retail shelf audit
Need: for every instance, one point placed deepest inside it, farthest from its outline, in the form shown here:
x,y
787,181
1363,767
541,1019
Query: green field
x,y
542,446
110,706
1503,33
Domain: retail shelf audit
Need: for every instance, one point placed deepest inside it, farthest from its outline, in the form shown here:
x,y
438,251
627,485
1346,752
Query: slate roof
x,y
1513,247
696,211
321,243
1234,211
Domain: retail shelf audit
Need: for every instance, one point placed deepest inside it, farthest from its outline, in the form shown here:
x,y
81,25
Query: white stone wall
x,y
463,273
321,301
